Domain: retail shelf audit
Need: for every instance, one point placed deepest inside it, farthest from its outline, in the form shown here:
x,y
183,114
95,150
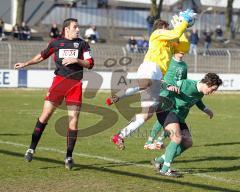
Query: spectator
x,y
142,45
15,32
193,41
132,45
25,33
150,21
91,34
219,33
207,41
1,29
54,32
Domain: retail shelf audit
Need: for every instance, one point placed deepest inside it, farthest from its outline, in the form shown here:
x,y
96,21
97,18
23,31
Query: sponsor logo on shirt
x,y
68,53
61,44
76,45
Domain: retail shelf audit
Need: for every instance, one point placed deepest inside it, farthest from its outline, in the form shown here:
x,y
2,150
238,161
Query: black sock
x,y
39,128
71,140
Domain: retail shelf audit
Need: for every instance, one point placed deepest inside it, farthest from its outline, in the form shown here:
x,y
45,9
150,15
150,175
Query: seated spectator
x,y
142,45
25,33
54,32
1,29
91,34
15,32
132,45
219,33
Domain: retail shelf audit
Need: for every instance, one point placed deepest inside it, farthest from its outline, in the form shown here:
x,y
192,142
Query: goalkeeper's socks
x,y
132,126
37,133
71,140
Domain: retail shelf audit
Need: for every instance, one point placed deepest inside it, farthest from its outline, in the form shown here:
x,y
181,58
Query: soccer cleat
x,y
118,141
112,99
29,155
157,166
68,163
149,145
170,173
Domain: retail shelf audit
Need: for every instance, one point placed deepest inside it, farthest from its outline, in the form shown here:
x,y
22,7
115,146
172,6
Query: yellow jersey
x,y
182,45
160,49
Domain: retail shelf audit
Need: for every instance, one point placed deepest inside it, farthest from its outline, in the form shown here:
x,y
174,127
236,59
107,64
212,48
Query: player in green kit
x,y
177,71
173,120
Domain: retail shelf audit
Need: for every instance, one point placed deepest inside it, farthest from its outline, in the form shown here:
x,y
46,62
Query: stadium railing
x,y
116,57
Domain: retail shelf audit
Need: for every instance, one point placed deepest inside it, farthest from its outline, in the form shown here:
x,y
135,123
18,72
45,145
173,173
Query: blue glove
x,y
188,15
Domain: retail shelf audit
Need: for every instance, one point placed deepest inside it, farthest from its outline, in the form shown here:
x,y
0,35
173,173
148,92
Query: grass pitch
x,y
212,164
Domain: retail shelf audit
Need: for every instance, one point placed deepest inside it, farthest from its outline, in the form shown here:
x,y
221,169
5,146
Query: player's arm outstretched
x,y
180,23
36,59
204,108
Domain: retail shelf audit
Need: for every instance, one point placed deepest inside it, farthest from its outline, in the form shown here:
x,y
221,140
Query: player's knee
x,y
175,136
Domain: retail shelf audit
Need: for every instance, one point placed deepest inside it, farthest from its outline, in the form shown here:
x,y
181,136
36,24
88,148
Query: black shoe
x,y
68,163
170,173
29,155
157,166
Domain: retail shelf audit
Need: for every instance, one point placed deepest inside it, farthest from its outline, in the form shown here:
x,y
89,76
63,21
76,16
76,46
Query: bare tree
x,y
20,11
159,10
153,9
229,13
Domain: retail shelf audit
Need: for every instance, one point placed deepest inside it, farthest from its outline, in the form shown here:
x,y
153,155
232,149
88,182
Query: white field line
x,y
203,175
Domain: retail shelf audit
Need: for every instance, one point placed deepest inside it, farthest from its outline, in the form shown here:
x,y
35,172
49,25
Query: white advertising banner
x,y
231,82
8,78
105,80
39,78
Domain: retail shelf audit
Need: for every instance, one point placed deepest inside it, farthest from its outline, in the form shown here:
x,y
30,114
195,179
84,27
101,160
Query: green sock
x,y
169,155
155,130
163,135
180,149
160,159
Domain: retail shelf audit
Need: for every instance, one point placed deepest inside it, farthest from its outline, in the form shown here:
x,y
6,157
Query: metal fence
x,y
116,57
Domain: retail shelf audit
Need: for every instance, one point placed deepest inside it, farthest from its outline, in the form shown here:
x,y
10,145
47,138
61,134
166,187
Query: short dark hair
x,y
212,79
159,24
66,23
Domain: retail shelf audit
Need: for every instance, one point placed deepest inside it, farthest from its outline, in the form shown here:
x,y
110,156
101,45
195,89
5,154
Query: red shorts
x,y
63,88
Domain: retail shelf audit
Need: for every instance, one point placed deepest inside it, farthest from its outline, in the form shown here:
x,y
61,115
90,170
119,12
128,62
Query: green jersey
x,y
189,96
177,70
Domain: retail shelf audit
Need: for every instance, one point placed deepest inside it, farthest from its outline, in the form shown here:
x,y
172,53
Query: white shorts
x,y
150,96
149,70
